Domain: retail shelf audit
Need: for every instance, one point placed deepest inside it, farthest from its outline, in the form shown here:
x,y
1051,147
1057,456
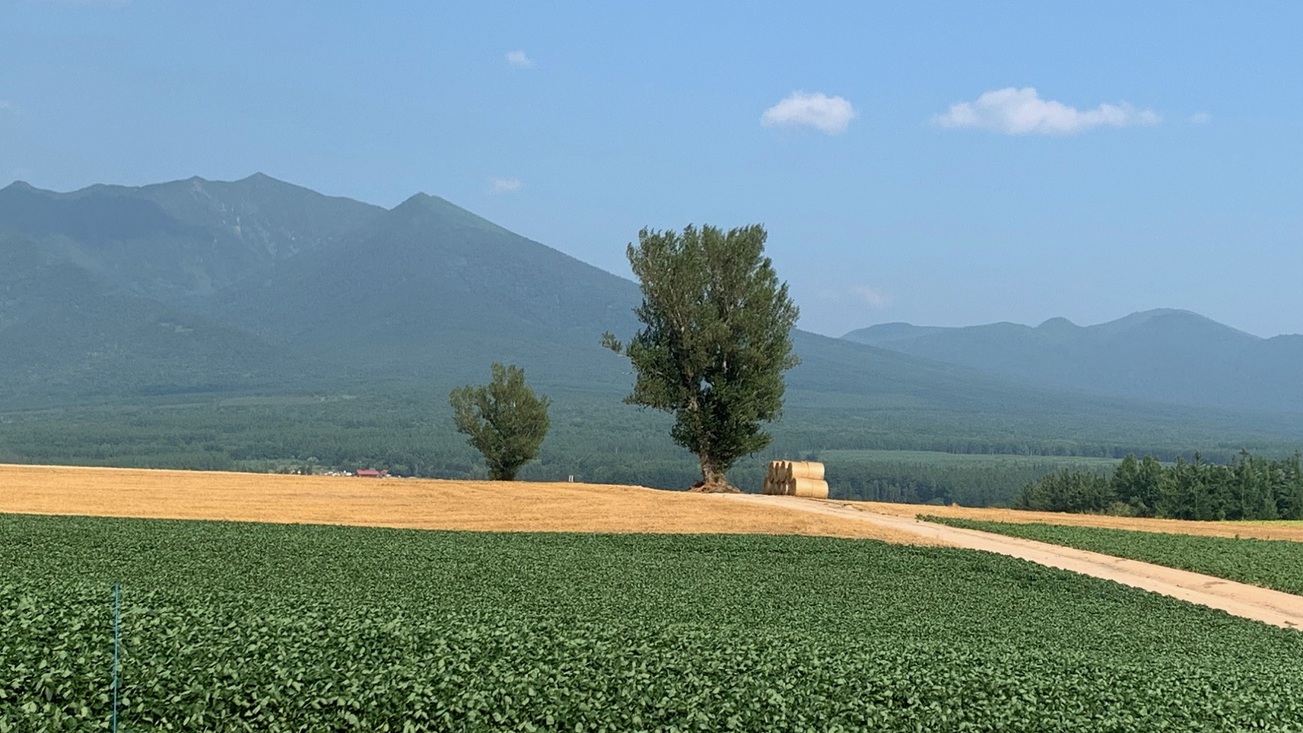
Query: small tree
x,y
716,341
505,420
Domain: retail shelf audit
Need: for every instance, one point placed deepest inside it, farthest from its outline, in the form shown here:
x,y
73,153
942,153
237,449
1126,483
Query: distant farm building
x,y
371,473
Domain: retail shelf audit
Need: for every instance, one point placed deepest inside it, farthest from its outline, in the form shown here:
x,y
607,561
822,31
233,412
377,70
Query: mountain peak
x,y
258,178
422,206
419,198
1142,316
19,186
420,203
1058,323
1152,318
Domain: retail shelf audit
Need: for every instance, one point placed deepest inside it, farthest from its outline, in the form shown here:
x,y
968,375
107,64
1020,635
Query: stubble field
x,y
403,503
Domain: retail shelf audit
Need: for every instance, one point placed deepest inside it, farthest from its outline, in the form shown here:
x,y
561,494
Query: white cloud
x,y
829,115
1200,118
5,106
1022,112
519,60
874,297
507,185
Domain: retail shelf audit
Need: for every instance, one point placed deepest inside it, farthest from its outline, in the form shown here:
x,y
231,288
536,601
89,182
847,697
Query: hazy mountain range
x,y
200,287
1169,355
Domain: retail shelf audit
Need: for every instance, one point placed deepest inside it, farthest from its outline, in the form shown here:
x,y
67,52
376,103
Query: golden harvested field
x,y
408,503
1292,531
503,507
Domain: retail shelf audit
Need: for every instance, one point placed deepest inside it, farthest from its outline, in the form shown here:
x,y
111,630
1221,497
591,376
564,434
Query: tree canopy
x,y
505,420
1250,487
715,342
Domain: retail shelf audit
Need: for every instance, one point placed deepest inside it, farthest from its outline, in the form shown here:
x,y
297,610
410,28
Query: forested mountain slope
x,y
179,240
430,290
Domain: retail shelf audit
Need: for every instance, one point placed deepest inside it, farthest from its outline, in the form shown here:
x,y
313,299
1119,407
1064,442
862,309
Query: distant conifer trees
x,y
1250,487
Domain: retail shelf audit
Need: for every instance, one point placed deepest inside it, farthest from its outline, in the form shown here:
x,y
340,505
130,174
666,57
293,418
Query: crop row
x,y
1274,564
296,628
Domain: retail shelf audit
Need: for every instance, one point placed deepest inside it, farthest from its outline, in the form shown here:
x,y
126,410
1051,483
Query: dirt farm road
x,y
1238,599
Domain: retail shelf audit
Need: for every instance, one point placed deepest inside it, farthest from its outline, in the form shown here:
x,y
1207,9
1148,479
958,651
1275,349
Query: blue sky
x,y
938,163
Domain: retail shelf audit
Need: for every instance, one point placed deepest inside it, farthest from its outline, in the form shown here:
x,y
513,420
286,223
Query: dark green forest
x,y
1249,487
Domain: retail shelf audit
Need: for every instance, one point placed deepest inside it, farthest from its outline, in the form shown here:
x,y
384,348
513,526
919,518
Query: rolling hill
x,y
1167,355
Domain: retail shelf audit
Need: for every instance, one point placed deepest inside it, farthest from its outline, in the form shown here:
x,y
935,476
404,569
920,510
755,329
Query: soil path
x,y
1238,599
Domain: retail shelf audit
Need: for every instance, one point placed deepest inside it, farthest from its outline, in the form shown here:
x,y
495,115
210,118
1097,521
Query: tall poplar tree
x,y
715,341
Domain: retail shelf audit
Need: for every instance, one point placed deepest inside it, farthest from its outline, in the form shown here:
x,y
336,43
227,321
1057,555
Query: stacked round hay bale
x,y
796,478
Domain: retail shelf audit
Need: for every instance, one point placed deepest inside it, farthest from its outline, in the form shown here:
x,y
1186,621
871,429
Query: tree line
x,y
1249,487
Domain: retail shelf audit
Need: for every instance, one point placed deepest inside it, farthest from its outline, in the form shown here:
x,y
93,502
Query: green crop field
x,y
239,627
1274,564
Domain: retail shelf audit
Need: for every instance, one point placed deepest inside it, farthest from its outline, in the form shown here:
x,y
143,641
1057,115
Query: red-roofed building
x,y
371,473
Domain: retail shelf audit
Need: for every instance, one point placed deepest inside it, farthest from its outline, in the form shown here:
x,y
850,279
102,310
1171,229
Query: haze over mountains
x,y
203,287
1169,355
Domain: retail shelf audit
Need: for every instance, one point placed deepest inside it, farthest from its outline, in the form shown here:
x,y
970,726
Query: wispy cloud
x,y
1022,112
829,115
5,106
1200,118
519,60
874,297
507,185
870,295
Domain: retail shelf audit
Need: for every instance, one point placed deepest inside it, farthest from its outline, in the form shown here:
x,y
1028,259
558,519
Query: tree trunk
x,y
713,480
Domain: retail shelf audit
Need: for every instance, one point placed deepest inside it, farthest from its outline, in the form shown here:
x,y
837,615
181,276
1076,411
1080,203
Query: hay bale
x,y
796,478
807,469
776,478
810,488
778,469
